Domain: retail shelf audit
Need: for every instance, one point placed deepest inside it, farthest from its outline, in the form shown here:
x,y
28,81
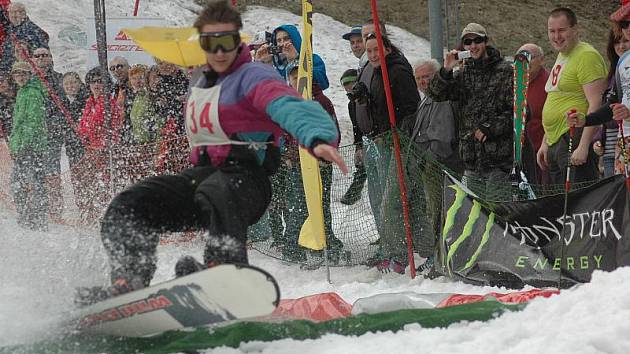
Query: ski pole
x,y
567,187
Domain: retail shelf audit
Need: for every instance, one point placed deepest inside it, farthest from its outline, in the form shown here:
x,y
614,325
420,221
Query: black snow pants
x,y
222,200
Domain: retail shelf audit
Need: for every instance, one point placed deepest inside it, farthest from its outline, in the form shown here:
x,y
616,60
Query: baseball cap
x,y
356,29
474,28
349,76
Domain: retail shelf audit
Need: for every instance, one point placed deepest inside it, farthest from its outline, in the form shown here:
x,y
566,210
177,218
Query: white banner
x,y
117,42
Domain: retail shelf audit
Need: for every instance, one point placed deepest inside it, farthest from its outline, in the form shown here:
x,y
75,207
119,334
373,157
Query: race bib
x,y
556,75
202,118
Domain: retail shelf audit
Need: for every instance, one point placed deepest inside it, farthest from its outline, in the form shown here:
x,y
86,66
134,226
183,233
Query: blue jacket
x,y
319,68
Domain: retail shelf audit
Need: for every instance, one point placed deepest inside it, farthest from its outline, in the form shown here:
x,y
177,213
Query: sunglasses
x,y
624,24
96,81
211,42
43,55
476,40
116,67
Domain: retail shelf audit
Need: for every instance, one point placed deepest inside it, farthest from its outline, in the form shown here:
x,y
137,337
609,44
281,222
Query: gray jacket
x,y
435,129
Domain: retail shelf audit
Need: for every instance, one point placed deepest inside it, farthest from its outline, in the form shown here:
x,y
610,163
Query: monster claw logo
x,y
523,241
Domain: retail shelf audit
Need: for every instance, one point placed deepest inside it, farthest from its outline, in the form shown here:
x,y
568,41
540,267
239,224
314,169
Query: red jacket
x,y
536,96
92,126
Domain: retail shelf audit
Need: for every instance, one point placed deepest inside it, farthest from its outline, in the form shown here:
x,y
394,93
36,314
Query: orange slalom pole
x,y
396,139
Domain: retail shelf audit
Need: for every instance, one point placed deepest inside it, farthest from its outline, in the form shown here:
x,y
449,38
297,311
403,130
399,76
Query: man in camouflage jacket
x,y
482,89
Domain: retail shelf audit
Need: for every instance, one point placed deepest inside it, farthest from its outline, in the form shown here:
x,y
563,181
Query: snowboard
x,y
222,293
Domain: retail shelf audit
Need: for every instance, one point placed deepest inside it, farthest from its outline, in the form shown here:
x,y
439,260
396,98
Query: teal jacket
x,y
29,127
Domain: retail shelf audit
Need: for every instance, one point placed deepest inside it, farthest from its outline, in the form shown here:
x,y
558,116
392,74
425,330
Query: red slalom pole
x,y
395,138
135,8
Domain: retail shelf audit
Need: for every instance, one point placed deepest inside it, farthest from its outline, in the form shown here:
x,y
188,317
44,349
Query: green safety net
x,y
363,211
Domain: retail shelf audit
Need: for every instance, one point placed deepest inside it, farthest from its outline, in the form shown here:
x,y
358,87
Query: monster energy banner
x,y
516,243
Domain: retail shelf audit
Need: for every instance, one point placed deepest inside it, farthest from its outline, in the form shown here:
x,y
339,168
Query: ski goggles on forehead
x,y
211,42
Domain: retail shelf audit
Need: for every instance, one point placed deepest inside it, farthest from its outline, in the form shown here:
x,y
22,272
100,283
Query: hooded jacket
x,y
483,93
319,68
373,116
256,105
29,127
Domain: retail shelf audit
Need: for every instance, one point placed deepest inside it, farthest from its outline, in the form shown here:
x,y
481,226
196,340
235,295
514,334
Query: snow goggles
x,y
211,42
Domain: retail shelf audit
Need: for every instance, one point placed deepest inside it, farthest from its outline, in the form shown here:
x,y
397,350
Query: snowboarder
x,y
236,112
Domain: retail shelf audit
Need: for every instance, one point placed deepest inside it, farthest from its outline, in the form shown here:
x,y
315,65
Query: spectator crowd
x,y
458,115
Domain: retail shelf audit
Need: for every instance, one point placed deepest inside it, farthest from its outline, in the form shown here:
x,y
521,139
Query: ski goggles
x,y
211,42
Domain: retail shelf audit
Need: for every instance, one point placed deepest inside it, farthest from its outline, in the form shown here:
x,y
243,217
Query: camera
x,y
463,55
359,93
274,49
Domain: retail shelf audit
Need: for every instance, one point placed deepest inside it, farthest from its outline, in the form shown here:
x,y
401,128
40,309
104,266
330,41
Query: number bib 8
x,y
555,75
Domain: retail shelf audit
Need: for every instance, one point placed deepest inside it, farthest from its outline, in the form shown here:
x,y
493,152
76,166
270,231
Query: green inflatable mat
x,y
234,334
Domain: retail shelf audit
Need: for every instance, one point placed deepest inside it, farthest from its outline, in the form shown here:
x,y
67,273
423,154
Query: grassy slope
x,y
510,23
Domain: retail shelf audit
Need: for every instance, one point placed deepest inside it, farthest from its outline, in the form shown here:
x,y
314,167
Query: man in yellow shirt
x,y
577,81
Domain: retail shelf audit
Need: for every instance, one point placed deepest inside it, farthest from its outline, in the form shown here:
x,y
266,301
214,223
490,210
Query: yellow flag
x,y
312,234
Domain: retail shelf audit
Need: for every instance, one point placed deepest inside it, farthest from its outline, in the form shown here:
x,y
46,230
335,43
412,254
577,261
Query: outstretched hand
x,y
329,153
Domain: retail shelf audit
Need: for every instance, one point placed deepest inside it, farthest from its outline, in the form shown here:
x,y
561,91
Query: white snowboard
x,y
222,293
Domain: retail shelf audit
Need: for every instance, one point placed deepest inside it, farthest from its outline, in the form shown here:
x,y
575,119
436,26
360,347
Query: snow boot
x,y
425,268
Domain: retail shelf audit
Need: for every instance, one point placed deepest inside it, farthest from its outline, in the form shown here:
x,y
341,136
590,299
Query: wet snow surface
x,y
40,270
